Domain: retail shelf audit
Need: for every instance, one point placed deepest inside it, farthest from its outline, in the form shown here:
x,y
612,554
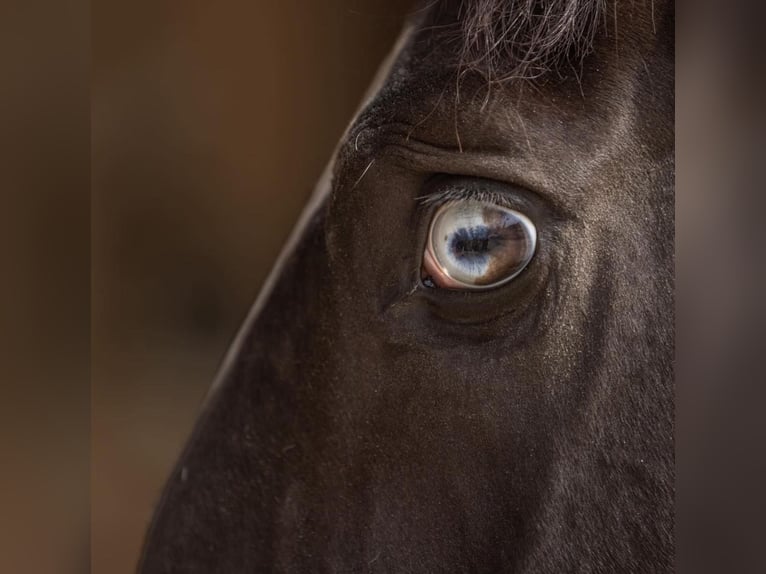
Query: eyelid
x,y
501,169
458,193
444,188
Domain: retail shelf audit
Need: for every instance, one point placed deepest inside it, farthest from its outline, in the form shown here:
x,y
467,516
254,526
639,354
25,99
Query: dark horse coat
x,y
370,419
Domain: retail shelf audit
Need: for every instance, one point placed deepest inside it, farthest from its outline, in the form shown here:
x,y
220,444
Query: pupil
x,y
470,242
472,245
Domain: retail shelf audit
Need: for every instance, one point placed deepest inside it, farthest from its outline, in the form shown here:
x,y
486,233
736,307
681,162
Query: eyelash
x,y
462,193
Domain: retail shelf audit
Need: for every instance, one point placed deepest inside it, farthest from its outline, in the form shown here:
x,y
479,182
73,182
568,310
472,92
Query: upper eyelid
x,y
462,193
426,158
470,188
507,195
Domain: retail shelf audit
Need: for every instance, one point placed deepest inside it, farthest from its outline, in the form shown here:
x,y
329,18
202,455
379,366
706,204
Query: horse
x,y
463,358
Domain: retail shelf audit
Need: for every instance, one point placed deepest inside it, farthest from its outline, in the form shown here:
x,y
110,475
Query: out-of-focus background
x,y
211,121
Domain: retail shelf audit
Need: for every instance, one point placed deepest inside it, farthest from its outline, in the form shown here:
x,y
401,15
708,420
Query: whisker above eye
x,y
369,165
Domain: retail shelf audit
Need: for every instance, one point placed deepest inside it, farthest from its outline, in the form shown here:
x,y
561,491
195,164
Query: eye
x,y
474,245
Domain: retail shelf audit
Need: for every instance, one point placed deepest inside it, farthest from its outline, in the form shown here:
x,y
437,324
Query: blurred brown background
x,y
210,124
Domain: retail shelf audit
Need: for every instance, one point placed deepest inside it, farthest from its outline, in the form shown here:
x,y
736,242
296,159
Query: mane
x,y
507,39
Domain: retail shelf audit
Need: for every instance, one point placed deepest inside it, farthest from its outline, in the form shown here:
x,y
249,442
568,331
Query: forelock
x,y
506,39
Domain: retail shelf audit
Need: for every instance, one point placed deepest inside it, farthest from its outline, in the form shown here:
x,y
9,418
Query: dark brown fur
x,y
519,39
371,424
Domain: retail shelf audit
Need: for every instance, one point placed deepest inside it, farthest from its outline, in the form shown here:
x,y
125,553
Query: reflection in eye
x,y
477,245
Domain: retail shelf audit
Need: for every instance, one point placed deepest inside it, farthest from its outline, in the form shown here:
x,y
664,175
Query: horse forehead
x,y
434,71
553,137
592,110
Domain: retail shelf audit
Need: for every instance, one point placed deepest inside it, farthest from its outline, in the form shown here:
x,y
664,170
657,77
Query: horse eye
x,y
475,245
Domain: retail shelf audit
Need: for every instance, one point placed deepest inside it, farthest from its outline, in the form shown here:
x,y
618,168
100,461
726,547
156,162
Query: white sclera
x,y
480,244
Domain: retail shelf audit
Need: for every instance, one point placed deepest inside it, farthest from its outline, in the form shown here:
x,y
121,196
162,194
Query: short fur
x,y
369,423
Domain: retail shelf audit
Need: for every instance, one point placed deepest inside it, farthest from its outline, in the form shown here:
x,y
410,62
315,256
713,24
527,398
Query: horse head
x,y
463,358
